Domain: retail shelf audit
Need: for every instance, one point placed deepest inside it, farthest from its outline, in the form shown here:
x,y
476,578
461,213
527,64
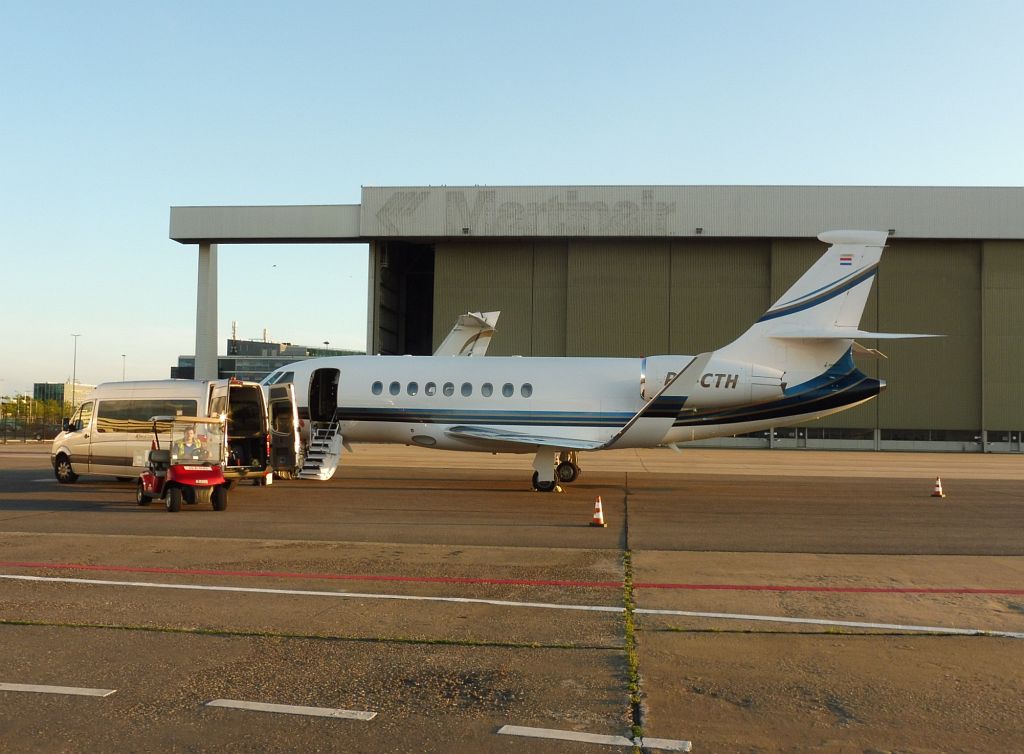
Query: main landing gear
x,y
551,468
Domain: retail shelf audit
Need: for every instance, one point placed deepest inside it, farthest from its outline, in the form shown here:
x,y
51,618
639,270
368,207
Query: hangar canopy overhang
x,y
425,212
400,220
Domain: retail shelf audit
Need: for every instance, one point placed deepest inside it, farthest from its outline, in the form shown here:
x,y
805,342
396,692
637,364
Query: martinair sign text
x,y
517,212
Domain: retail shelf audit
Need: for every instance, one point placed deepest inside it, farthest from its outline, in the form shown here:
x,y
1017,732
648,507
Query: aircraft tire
x,y
567,472
140,494
63,471
219,498
173,500
542,486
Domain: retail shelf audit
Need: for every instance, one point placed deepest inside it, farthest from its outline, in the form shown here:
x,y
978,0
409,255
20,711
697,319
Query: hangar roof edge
x,y
955,212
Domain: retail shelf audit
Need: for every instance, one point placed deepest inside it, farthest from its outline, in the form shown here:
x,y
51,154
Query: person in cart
x,y
189,446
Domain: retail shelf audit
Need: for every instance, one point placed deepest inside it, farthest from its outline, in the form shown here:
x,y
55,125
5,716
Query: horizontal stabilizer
x,y
837,333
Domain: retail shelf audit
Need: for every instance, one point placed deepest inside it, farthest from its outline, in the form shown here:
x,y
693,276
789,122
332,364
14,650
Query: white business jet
x,y
795,364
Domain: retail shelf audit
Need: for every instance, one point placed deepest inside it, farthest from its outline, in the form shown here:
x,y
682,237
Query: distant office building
x,y
62,392
255,359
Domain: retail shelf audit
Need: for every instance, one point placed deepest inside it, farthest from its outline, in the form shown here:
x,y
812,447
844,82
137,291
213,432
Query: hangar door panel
x,y
617,298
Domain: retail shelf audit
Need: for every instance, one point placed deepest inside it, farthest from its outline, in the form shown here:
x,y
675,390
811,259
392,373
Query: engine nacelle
x,y
733,383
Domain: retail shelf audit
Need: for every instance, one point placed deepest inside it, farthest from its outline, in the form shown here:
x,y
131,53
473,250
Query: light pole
x,y
74,369
122,367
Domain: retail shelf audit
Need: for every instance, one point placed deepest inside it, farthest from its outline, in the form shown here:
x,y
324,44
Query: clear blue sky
x,y
113,112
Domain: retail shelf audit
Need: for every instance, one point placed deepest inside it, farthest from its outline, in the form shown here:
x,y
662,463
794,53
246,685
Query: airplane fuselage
x,y
419,399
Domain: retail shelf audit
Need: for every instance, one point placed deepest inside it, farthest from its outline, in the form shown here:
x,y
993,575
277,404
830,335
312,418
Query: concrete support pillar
x,y
206,313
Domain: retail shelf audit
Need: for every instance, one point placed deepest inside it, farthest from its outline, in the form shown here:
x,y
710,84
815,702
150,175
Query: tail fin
x,y
470,335
832,293
814,324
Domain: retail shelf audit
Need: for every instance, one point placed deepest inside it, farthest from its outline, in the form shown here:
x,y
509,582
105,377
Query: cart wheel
x,y
202,494
173,499
220,498
140,494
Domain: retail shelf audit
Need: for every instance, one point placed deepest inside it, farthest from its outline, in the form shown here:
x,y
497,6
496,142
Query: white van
x,y
111,433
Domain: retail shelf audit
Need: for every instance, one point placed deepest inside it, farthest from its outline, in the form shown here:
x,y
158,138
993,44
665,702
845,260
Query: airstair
x,y
323,452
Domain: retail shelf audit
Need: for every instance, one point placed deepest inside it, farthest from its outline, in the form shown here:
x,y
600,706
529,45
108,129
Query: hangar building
x,y
642,270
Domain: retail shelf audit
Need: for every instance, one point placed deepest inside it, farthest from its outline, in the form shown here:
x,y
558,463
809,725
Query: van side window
x,y
377,388
133,414
507,390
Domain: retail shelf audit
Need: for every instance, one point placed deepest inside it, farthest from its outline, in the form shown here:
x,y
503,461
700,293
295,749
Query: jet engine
x,y
733,383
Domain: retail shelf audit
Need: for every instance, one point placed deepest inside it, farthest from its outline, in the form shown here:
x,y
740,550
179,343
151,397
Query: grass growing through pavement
x,y
632,659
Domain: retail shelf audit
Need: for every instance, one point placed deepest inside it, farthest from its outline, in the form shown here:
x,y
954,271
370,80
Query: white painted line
x,y
292,709
843,623
70,690
312,593
509,603
664,744
563,735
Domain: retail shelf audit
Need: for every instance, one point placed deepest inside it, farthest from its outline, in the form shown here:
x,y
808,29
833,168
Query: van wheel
x,y
173,500
220,498
63,471
140,494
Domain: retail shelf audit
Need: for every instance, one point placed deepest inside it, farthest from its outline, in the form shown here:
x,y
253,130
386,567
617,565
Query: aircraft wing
x,y
470,335
522,439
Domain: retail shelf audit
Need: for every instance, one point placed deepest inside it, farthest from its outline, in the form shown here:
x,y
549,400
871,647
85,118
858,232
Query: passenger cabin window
x,y
430,388
486,389
448,389
467,389
508,390
395,388
527,390
377,388
412,388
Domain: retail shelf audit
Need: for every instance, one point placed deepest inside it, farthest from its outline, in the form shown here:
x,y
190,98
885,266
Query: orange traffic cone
x,y
598,519
937,492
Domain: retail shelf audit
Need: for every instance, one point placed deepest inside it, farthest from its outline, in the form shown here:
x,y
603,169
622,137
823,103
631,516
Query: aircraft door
x,y
284,428
323,394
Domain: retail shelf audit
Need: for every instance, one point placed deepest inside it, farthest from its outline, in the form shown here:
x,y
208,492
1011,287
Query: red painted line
x,y
837,589
512,582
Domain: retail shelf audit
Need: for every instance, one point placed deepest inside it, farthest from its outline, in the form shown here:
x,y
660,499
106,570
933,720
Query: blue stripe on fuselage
x,y
837,289
842,385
